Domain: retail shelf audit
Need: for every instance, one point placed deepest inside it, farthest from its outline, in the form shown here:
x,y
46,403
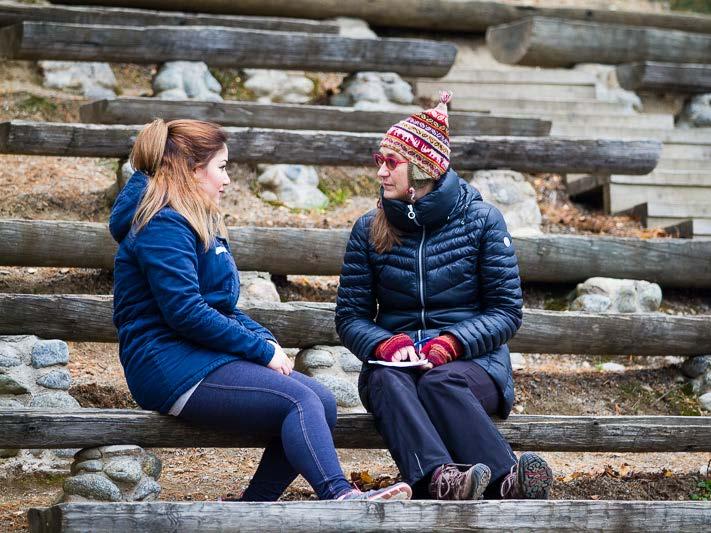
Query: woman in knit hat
x,y
186,349
430,279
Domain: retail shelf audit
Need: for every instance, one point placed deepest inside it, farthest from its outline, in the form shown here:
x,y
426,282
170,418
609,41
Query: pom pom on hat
x,y
423,138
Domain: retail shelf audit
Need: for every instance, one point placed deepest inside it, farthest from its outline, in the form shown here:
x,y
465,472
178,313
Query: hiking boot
x,y
530,479
450,482
398,491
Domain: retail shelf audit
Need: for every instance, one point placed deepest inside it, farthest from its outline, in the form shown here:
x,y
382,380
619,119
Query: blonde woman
x,y
185,347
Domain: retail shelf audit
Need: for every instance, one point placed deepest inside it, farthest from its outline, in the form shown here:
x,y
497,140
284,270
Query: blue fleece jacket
x,y
175,304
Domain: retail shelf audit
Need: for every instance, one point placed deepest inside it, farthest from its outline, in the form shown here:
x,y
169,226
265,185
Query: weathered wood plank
x,y
294,117
87,318
83,428
469,89
540,106
15,12
542,258
224,47
549,42
442,15
254,145
665,77
626,195
416,516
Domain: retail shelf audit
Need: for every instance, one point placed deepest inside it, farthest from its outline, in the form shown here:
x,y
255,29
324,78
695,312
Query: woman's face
x,y
395,183
213,177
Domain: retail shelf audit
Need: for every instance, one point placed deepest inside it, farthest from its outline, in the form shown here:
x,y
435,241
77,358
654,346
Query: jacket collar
x,y
432,210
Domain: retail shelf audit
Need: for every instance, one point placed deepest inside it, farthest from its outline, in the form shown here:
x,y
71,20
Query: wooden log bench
x,y
449,15
87,318
665,77
16,12
295,116
255,145
542,258
95,427
224,47
552,42
415,516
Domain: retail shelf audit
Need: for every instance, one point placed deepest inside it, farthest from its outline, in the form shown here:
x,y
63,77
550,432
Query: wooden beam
x,y
84,428
416,516
87,318
16,12
294,117
549,42
542,258
443,15
224,47
253,145
665,77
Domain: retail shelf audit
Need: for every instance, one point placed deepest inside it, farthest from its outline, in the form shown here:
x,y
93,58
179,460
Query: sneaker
x,y
398,491
530,479
450,482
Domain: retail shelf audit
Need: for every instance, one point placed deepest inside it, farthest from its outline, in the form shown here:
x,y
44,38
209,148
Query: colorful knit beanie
x,y
423,139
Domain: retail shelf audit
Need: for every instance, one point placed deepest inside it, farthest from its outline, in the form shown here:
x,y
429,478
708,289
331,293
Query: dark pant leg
x,y
403,422
248,397
460,397
275,473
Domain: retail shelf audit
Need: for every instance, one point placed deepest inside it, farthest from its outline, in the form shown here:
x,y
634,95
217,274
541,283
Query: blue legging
x,y
298,411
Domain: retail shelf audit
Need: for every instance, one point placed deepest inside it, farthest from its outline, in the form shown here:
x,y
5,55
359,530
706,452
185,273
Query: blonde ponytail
x,y
169,153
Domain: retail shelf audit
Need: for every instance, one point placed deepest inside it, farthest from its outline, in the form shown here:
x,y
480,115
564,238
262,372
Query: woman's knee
x,y
325,396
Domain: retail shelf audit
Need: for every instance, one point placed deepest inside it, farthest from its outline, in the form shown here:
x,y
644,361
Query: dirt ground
x,y
59,188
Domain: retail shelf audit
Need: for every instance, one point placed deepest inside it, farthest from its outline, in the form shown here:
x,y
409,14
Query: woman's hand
x,y
280,361
403,354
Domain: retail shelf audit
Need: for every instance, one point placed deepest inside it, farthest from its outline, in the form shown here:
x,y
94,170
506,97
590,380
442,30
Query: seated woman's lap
x,y
247,396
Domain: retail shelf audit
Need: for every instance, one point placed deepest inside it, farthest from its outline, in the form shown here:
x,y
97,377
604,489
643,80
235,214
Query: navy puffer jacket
x,y
455,272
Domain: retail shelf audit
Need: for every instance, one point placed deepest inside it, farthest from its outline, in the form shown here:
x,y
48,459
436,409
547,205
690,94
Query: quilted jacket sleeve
x,y
356,306
165,249
502,301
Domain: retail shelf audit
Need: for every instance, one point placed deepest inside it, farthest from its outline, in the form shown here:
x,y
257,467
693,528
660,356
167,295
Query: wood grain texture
x,y
550,42
76,317
224,47
294,117
440,15
416,516
15,12
665,77
542,258
84,428
254,145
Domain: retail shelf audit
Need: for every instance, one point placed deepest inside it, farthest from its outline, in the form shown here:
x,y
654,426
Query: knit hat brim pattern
x,y
423,138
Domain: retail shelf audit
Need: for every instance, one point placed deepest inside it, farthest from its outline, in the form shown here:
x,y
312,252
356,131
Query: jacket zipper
x,y
422,277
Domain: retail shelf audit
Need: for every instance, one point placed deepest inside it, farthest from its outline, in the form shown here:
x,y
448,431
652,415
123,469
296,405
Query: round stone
x,y
705,401
120,450
8,357
48,353
54,400
56,379
695,366
349,362
345,391
126,470
9,385
93,487
313,358
152,466
93,465
87,454
147,489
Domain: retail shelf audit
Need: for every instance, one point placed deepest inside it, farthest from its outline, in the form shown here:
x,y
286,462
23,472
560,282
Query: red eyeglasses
x,y
391,162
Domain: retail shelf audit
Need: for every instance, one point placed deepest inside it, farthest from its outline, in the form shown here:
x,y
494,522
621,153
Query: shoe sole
x,y
399,491
535,477
480,481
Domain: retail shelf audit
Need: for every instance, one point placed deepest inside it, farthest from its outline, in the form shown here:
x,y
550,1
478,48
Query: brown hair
x,y
169,153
